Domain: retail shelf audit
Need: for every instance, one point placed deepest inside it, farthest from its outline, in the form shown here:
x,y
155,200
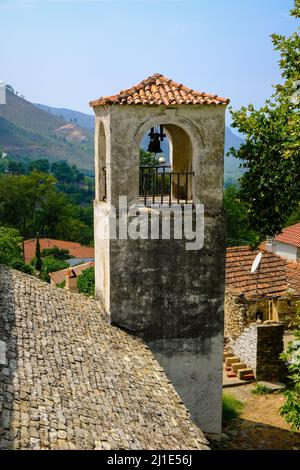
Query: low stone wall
x,y
259,346
236,315
241,312
245,346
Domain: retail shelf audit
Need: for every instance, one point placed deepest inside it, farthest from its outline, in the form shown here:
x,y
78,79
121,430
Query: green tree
x,y
148,158
51,264
41,166
57,253
291,408
238,230
10,245
38,260
86,281
11,250
270,187
15,168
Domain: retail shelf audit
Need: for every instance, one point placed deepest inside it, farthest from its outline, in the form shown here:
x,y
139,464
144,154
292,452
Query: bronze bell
x,y
154,144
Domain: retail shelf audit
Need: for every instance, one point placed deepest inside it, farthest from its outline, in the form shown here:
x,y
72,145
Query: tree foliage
x,y
270,188
86,281
57,253
32,203
239,232
291,408
11,250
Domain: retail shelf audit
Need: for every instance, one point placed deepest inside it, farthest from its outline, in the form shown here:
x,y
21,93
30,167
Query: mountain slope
x,y
86,121
29,132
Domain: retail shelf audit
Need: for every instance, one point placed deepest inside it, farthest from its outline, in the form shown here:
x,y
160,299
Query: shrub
x,y
51,264
86,281
231,408
261,389
291,408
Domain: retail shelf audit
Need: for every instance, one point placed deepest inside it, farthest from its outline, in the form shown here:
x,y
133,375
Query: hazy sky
x,y
66,52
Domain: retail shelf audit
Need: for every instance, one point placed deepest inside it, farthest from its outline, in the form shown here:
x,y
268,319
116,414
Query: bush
x,y
51,264
21,266
231,408
261,389
291,408
86,281
57,253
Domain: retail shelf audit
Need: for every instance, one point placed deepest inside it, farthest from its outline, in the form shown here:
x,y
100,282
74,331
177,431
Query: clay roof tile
x,y
158,89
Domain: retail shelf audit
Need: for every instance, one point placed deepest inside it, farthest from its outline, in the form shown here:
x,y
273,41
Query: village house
x,y
69,276
271,293
286,244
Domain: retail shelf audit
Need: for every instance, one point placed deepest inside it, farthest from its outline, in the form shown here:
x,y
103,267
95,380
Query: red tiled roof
x,y
160,90
59,276
272,276
293,275
290,235
76,249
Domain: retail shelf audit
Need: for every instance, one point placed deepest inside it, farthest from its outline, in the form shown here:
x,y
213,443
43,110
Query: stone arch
x,y
169,120
100,162
185,145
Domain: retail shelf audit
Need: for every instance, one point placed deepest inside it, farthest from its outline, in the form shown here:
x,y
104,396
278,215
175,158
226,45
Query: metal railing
x,y
159,184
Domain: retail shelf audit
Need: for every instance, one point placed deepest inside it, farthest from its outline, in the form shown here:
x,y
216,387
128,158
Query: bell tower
x,y
150,281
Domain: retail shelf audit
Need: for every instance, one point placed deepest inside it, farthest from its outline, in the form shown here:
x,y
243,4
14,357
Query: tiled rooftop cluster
x,y
76,249
71,381
160,90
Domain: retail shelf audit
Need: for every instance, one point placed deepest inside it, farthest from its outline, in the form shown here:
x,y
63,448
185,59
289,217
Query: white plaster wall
x,y
195,368
285,250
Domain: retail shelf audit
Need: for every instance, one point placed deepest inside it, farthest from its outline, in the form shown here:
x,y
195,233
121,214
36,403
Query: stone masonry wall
x,y
245,346
259,346
240,312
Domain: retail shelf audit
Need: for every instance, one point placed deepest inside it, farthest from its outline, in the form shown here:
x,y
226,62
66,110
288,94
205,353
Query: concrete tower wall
x,y
171,297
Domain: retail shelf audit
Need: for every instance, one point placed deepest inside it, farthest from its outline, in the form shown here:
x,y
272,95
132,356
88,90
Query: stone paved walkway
x,y
72,382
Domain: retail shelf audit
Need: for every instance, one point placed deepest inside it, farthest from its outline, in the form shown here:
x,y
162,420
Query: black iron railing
x,y
159,184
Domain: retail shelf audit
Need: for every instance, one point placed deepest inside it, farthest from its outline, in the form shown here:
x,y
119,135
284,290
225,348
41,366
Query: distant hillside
x,y
86,121
29,132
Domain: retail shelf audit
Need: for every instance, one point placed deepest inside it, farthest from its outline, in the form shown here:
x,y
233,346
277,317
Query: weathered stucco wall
x,y
171,297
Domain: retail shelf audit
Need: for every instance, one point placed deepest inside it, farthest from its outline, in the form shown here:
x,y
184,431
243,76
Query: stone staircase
x,y
234,367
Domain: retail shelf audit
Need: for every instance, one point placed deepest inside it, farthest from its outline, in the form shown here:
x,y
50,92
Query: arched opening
x,y
101,188
166,170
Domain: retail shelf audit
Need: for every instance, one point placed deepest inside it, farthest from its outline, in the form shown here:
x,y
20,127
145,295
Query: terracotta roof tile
x,y
157,90
59,276
290,235
270,281
76,249
293,275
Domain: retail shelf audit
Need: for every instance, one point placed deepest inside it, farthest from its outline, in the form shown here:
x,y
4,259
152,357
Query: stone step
x,y
241,373
227,354
238,365
249,377
230,374
231,360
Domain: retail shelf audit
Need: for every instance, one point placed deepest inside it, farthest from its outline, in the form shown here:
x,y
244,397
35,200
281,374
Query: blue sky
x,y
66,52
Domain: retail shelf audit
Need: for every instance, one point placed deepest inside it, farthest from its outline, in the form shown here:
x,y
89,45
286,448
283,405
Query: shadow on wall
x,y
9,358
